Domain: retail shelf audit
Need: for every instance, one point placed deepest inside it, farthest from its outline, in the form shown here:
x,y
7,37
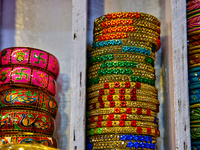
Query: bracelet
x,y
193,18
127,114
29,99
195,106
123,99
194,124
28,139
194,79
194,47
127,15
194,86
17,121
31,57
194,133
191,52
194,101
121,92
194,38
116,85
194,43
193,61
122,104
192,25
195,91
27,78
192,2
194,56
196,69
121,123
130,130
194,31
194,65
194,74
193,7
193,12
194,112
194,97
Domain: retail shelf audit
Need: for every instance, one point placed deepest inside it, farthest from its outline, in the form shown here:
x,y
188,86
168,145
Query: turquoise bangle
x,y
194,97
194,80
194,69
194,86
196,91
194,101
194,74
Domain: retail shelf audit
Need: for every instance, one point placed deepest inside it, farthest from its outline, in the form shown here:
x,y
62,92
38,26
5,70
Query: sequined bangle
x,y
25,122
128,15
19,98
130,130
121,91
128,116
122,84
30,139
124,64
121,123
122,104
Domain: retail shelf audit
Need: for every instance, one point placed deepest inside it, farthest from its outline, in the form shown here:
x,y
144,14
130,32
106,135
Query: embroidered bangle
x,y
121,123
130,130
27,78
191,52
123,98
118,113
30,139
25,56
16,121
121,57
121,91
28,98
116,85
122,104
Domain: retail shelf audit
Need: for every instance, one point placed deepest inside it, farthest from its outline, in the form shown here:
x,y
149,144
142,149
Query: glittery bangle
x,y
31,57
123,104
29,139
24,121
119,113
125,130
122,91
122,84
121,123
28,98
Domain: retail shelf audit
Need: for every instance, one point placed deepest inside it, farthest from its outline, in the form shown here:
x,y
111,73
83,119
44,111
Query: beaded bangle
x,y
127,15
123,99
130,130
29,139
121,123
23,121
29,99
122,91
27,78
25,56
116,85
122,104
191,52
193,38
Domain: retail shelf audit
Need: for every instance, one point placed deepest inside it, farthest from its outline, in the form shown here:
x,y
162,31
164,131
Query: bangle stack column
x,y
121,95
27,89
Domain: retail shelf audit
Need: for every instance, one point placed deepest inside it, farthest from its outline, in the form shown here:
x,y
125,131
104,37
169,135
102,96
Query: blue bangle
x,y
194,79
194,74
194,101
194,96
194,69
194,86
196,91
195,147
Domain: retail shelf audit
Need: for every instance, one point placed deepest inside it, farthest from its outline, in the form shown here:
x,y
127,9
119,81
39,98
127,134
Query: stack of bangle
x,y
121,95
27,105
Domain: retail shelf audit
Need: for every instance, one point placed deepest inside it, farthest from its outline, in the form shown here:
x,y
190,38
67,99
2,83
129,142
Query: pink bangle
x,y
25,56
26,77
193,19
193,2
193,25
193,7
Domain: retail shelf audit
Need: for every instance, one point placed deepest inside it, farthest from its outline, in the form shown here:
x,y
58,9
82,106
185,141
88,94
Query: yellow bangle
x,y
193,33
194,65
191,52
193,47
194,56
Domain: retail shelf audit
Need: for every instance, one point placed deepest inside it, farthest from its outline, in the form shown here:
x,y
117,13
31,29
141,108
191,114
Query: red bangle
x,y
25,56
26,77
30,99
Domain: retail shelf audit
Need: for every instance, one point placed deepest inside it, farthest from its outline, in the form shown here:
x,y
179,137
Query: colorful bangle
x,y
121,123
194,74
195,112
26,78
195,91
192,2
194,65
194,79
123,99
194,101
194,43
193,7
25,56
121,91
194,56
130,114
193,61
125,130
192,25
195,106
194,86
117,85
28,139
194,47
195,133
16,121
193,18
122,104
193,12
194,97
193,38
28,98
191,52
196,69
194,123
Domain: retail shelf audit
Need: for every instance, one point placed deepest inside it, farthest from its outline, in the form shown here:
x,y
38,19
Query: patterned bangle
x,y
192,32
194,112
28,98
194,97
191,52
194,65
194,43
121,91
127,15
195,133
192,2
25,56
196,91
192,26
130,130
124,64
129,115
122,104
194,124
193,70
193,61
193,38
193,18
26,122
26,78
28,139
117,85
123,99
121,123
193,7
194,56
194,79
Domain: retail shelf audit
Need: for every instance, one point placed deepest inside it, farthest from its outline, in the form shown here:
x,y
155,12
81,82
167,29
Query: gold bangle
x,y
191,52
193,33
125,130
117,85
194,56
120,123
127,114
126,98
194,65
194,47
122,91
